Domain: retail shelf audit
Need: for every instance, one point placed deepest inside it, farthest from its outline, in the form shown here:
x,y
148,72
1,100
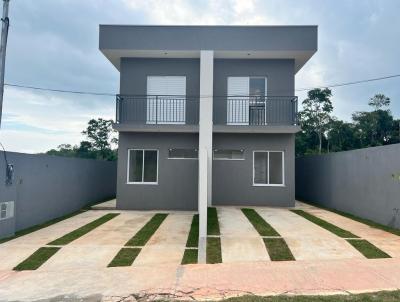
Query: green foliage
x,y
322,132
99,144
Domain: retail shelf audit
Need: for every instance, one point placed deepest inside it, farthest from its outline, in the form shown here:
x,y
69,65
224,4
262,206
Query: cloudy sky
x,y
54,43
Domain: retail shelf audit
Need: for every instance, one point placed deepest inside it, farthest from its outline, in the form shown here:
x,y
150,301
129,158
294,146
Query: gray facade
x,y
177,178
233,179
47,187
363,182
207,56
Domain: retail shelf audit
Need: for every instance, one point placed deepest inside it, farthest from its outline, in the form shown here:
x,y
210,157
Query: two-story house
x,y
206,115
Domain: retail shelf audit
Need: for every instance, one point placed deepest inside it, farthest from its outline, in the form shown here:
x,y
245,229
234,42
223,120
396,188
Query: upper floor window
x,y
142,166
246,100
166,100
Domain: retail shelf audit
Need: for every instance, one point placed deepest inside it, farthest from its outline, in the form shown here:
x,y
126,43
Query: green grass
x,y
278,249
326,225
125,257
384,296
193,238
68,238
145,233
40,226
212,222
359,219
262,227
213,250
35,260
190,256
369,250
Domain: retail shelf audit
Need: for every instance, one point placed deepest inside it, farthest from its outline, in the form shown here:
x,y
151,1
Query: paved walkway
x,y
207,281
325,263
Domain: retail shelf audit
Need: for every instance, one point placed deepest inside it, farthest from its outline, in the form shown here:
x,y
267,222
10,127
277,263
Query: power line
x,y
61,90
351,83
113,94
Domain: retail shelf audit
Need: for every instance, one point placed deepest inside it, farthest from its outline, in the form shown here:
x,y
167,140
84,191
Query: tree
x,y
378,101
100,135
341,136
316,112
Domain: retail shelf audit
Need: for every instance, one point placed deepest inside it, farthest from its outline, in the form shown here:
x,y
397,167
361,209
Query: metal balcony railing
x,y
227,110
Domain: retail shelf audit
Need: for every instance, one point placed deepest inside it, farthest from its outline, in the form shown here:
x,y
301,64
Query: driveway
x,y
80,267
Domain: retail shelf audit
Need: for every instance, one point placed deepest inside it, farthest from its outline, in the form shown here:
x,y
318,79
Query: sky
x,y
54,44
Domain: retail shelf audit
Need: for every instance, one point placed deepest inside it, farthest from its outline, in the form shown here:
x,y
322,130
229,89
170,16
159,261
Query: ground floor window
x,y
268,168
228,154
142,166
183,154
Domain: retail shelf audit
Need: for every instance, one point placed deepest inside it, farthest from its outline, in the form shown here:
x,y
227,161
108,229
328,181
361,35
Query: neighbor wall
x,y
46,187
363,182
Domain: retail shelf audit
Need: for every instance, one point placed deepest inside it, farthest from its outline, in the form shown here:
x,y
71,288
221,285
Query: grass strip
x,y
40,226
213,250
125,257
278,249
383,296
368,222
326,225
262,227
190,256
212,221
68,238
145,233
193,238
35,260
366,248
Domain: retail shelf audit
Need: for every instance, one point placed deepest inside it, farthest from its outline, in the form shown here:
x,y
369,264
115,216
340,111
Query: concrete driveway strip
x,y
15,251
97,248
167,245
306,240
385,241
239,239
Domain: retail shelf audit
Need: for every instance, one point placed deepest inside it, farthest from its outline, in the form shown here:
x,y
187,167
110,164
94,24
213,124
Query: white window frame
x,y
246,95
283,169
172,158
128,164
228,158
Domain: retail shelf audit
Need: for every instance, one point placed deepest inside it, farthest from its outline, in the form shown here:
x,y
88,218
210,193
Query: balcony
x,y
183,111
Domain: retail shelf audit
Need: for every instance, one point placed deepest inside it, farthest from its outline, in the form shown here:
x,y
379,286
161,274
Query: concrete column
x,y
205,145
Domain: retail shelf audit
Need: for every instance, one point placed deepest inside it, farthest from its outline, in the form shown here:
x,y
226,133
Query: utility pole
x,y
5,22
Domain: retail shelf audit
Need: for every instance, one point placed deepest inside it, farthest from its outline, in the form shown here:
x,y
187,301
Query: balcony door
x,y
246,102
166,100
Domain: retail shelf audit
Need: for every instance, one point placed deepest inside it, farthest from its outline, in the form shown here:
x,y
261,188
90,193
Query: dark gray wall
x,y
363,182
177,178
280,74
233,179
133,82
46,187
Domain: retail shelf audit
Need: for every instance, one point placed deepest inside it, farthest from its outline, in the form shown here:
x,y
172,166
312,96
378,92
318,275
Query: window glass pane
x,y
228,154
135,165
183,153
260,167
150,166
275,168
257,86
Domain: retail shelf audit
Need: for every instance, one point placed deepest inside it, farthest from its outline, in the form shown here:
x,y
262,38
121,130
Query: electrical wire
x,y
204,96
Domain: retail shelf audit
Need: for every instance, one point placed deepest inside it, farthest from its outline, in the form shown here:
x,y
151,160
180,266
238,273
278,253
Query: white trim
x,y
283,169
190,158
128,164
